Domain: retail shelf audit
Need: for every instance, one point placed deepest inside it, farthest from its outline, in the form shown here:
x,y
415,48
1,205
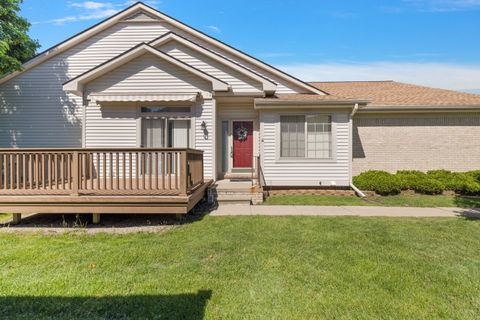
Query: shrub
x,y
462,183
452,180
410,178
429,186
475,174
381,182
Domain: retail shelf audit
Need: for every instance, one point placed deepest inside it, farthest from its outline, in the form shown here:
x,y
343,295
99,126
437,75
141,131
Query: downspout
x,y
357,191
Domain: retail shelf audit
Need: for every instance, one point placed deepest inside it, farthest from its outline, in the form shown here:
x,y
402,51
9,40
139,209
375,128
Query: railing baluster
x,y
117,172
142,157
97,154
104,169
111,170
156,170
75,173
169,170
130,173
137,161
124,169
12,169
62,171
90,164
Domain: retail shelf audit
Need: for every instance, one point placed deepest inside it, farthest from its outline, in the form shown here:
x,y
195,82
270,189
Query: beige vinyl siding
x,y
148,73
238,81
423,142
111,126
305,172
203,111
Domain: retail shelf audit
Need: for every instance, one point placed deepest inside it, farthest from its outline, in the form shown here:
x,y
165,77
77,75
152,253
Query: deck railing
x,y
100,171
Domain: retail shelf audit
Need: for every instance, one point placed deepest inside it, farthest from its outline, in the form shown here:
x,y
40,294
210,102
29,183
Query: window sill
x,y
305,160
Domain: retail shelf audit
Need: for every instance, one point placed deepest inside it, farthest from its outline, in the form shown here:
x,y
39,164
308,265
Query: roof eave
x,y
272,104
416,109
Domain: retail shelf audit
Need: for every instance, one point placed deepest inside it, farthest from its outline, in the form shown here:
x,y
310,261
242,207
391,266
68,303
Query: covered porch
x,y
97,181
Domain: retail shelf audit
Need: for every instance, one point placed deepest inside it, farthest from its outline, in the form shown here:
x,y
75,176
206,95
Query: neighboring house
x,y
143,79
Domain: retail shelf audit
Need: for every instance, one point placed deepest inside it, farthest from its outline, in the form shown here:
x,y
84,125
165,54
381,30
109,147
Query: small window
x,y
306,136
165,110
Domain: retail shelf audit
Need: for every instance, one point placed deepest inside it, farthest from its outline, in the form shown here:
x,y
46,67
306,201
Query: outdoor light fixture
x,y
203,125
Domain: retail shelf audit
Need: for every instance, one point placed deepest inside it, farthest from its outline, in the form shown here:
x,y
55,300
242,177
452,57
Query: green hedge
x,y
432,182
381,182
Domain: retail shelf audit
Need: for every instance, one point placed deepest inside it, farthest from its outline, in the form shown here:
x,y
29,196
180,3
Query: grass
x,y
389,201
249,268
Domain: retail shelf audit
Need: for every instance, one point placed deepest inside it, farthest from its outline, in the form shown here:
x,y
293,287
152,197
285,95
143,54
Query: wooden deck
x,y
163,181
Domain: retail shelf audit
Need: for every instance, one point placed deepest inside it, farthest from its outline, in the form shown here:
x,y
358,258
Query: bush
x,y
433,182
429,186
454,181
475,174
381,182
410,178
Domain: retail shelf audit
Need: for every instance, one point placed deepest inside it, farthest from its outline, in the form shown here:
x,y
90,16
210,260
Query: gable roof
x,y
269,86
75,85
397,94
135,8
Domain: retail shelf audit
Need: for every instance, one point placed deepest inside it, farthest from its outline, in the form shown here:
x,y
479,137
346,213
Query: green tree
x,y
16,46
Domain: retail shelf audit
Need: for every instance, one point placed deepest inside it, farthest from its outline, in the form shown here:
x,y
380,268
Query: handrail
x,y
100,171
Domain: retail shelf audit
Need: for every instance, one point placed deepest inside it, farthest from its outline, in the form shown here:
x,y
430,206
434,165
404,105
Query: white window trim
x,y
280,159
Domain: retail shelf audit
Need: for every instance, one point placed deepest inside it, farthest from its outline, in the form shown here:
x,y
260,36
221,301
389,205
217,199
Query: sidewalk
x,y
285,210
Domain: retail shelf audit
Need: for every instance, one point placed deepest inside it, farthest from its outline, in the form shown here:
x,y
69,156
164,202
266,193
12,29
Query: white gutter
x,y
357,191
354,111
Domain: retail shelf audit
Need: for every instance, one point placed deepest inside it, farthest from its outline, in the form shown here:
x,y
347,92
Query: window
x,y
165,127
306,136
162,132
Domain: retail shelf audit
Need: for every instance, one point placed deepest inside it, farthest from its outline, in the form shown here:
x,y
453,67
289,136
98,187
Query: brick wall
x,y
416,142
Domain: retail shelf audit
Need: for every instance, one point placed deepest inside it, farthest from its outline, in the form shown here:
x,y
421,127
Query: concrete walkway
x,y
366,211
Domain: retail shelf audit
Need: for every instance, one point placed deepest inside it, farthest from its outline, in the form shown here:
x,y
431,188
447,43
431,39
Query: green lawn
x,y
390,201
249,268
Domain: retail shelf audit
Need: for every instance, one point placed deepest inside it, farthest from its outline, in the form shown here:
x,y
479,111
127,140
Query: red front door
x,y
242,144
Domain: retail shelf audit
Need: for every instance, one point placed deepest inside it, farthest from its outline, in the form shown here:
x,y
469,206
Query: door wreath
x,y
242,133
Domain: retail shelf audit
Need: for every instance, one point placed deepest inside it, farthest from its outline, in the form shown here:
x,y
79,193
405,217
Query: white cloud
x,y
92,5
93,10
441,75
215,29
443,5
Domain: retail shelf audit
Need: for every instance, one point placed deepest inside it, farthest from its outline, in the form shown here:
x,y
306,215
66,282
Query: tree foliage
x,y
16,46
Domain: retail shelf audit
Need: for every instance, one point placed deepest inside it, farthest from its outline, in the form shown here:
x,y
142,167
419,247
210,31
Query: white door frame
x,y
230,141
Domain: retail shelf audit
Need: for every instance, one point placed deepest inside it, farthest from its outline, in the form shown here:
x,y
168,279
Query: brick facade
x,y
416,142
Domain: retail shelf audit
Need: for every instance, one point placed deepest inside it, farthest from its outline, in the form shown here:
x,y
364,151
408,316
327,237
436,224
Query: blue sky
x,y
430,42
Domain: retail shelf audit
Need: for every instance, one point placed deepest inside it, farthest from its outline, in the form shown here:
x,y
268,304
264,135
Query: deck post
x,y
75,174
17,218
183,173
96,218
